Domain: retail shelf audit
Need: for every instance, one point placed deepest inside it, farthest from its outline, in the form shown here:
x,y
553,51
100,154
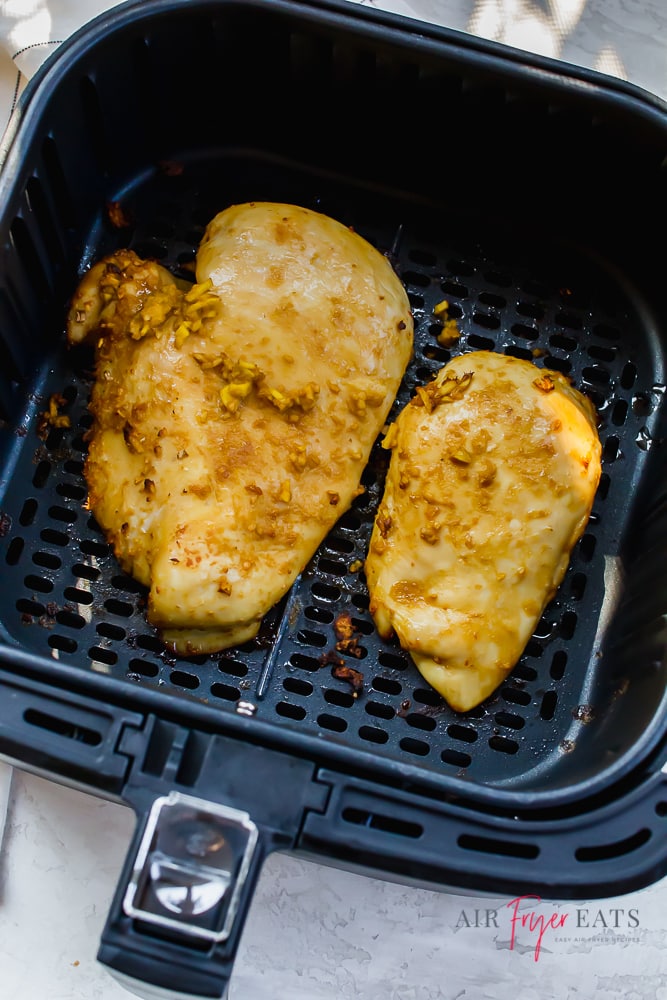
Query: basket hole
x,y
302,662
62,643
386,686
339,544
307,637
427,696
392,660
127,585
343,699
181,678
360,601
416,301
350,521
235,668
416,278
321,615
41,474
548,706
417,747
39,584
331,567
557,364
78,596
510,720
150,643
493,300
377,821
568,624
419,721
587,547
524,673
454,289
480,343
569,321
151,249
82,734
531,286
486,320
373,735
455,757
102,655
325,592
297,686
661,809
558,664
503,744
578,586
531,309
363,626
617,849
289,711
225,691
92,548
465,733
379,710
498,278
515,696
596,375
109,631
85,572
63,514
70,491
70,619
14,550
31,608
423,258
53,537
611,449
514,351
602,353
619,412
144,667
493,845
628,375
332,722
120,608
524,332
460,266
606,332
563,343
28,511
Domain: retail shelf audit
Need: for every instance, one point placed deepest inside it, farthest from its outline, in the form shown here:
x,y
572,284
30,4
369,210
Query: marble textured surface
x,y
313,932
316,933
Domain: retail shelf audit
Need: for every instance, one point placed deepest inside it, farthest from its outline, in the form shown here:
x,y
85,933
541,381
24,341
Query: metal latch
x,y
190,867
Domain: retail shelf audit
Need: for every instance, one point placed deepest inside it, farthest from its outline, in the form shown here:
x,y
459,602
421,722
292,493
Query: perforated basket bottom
x,y
68,599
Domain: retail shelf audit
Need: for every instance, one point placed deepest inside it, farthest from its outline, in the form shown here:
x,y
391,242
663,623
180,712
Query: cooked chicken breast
x,y
494,467
233,418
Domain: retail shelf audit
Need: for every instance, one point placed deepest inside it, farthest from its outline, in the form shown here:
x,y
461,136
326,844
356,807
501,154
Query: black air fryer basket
x,y
530,195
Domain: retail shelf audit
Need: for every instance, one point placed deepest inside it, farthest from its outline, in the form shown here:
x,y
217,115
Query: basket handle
x,y
186,887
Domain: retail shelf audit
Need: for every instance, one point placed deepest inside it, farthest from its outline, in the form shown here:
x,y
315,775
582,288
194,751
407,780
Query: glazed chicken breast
x,y
233,418
493,471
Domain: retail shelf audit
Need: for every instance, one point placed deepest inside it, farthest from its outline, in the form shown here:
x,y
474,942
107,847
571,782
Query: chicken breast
x,y
233,418
494,468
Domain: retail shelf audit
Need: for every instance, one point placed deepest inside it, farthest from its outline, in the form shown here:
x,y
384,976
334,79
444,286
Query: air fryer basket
x,y
482,174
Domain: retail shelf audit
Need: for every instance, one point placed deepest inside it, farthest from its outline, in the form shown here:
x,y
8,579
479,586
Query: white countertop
x,y
313,932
